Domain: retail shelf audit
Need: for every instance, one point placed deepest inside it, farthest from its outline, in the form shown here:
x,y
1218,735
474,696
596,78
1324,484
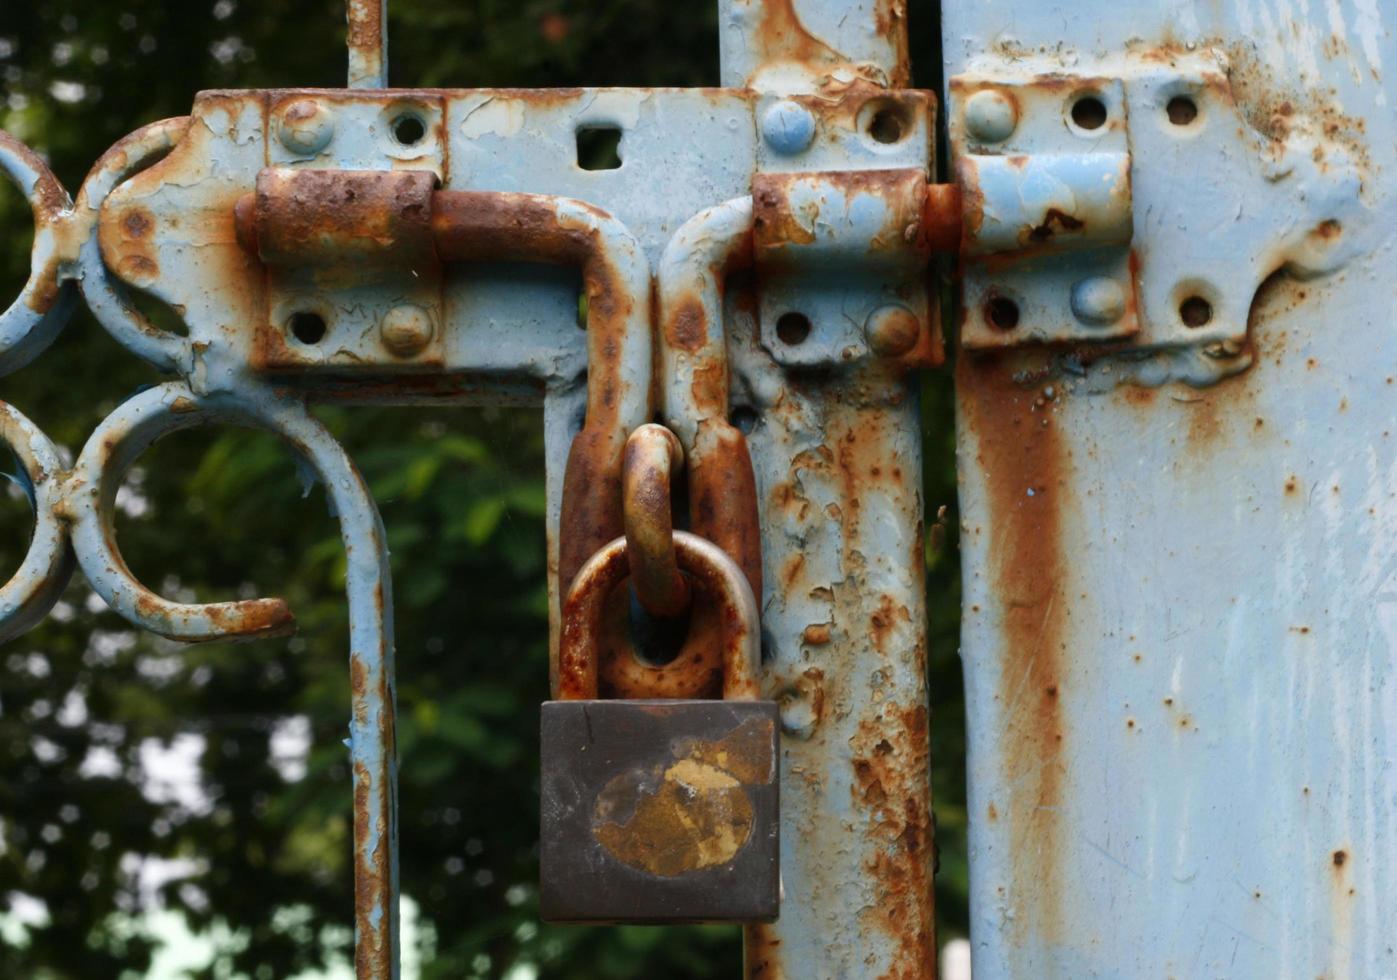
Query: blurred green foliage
x,y
215,514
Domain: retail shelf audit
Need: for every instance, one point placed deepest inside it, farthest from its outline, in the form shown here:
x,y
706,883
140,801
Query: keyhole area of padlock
x,y
644,656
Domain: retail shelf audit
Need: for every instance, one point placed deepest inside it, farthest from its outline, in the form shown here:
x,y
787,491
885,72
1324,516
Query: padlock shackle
x,y
654,459
710,571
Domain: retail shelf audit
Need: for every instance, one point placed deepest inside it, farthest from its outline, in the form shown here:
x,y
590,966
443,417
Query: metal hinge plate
x,y
1135,201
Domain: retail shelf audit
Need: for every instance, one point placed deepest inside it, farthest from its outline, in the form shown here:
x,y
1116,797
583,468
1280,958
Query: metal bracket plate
x,y
1214,206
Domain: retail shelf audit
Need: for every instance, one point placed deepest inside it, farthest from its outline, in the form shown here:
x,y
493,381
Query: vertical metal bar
x,y
368,43
839,466
109,453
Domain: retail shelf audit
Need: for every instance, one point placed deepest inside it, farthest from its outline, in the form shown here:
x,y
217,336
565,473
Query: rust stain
x,y
884,621
944,216
782,37
791,571
691,812
723,496
365,21
671,821
1205,421
816,634
1054,222
687,328
745,752
1027,473
889,758
373,955
475,225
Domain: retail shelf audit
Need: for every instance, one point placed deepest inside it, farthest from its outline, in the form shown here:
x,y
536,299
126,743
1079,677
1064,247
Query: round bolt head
x,y
306,127
991,116
788,127
1098,301
893,330
406,330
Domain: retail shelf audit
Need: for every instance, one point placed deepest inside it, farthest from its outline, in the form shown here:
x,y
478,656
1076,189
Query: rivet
x,y
406,330
892,330
306,127
990,116
788,127
1098,301
799,717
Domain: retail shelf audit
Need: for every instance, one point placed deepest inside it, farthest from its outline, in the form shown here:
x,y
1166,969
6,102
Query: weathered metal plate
x,y
659,811
1178,629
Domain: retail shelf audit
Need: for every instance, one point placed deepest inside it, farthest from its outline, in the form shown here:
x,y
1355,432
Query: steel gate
x,y
1170,231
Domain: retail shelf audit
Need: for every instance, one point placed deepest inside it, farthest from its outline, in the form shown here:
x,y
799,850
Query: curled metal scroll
x,y
31,592
89,500
106,297
38,314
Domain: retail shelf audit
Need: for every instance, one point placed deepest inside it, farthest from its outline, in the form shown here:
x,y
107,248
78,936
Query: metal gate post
x,y
836,442
1176,460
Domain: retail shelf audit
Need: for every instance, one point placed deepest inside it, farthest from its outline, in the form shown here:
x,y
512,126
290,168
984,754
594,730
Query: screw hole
x,y
1195,311
307,327
793,328
599,148
1089,112
886,126
1002,313
409,129
1182,110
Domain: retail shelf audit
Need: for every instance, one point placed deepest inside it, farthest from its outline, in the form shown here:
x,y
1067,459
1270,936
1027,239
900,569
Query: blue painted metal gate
x,y
1171,233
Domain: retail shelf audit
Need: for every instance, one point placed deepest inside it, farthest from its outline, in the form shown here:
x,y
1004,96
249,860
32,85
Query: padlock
x,y
657,811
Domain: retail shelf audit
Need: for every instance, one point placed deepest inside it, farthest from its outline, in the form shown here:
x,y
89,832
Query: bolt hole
x,y
599,148
886,126
1182,110
409,129
793,328
1195,311
307,327
744,417
1002,313
1089,112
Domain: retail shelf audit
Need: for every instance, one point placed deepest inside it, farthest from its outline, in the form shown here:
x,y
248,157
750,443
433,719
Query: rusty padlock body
x,y
657,811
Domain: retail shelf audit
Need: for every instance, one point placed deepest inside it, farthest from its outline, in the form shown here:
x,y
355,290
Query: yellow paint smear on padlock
x,y
689,816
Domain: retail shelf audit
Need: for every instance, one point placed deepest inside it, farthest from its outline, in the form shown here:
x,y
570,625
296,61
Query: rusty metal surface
x,y
653,459
39,581
694,378
367,41
328,218
174,212
32,321
837,253
660,811
791,45
1177,631
838,463
1134,221
711,572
